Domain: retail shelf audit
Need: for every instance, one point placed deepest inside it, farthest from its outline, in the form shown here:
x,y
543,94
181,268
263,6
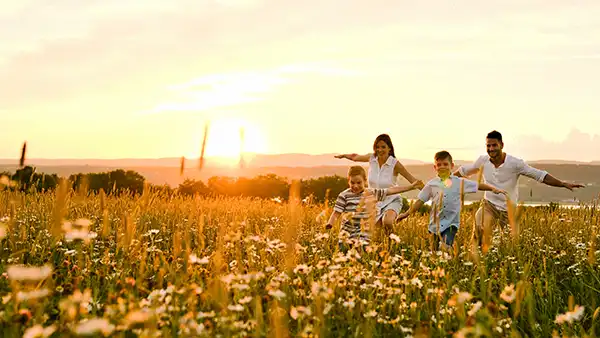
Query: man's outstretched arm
x,y
555,182
544,177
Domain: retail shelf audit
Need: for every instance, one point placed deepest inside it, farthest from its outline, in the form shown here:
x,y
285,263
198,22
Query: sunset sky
x,y
131,78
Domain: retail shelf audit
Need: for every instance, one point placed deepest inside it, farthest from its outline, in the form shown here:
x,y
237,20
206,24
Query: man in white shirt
x,y
502,171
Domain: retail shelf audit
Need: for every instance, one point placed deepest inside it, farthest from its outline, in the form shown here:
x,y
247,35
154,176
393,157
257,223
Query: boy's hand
x,y
402,216
418,184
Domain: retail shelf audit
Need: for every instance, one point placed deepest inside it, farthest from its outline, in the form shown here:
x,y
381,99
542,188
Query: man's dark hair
x,y
494,134
442,155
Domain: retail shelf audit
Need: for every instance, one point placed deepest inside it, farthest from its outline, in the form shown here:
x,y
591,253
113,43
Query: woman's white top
x,y
382,178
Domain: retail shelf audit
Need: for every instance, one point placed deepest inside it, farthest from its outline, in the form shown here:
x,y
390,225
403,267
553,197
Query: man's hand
x,y
572,186
499,191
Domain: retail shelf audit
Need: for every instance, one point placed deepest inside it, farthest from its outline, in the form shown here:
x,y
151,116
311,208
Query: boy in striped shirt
x,y
357,205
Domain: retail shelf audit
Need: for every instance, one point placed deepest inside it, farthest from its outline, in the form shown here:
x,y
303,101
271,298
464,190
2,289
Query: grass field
x,y
167,266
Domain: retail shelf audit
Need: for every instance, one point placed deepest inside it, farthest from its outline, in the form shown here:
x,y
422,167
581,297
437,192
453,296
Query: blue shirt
x,y
445,197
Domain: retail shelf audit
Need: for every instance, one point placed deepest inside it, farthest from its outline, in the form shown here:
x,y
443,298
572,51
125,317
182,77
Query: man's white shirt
x,y
505,177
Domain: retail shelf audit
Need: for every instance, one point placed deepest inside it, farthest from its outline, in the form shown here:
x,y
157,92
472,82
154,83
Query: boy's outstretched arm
x,y
487,187
355,157
413,208
400,189
332,219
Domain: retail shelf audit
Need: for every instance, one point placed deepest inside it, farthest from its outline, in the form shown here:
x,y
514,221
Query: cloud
x,y
232,89
577,146
61,50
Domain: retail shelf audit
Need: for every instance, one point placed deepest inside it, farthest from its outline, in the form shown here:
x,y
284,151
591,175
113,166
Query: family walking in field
x,y
373,197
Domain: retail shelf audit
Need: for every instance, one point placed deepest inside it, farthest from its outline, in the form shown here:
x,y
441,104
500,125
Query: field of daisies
x,y
157,265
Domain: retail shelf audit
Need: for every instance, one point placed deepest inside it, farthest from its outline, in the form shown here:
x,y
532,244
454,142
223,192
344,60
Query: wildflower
x,y
322,264
240,286
236,308
459,298
206,315
395,238
321,237
39,331
137,317
349,304
318,289
277,294
195,260
33,274
91,326
571,316
371,314
416,281
80,235
302,269
32,295
297,312
508,294
475,308
245,300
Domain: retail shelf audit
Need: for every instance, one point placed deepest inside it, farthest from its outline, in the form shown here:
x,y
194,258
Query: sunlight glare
x,y
224,142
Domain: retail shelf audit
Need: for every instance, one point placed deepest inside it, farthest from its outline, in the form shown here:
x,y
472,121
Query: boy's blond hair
x,y
356,170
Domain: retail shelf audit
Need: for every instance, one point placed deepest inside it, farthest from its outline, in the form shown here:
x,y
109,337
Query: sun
x,y
229,138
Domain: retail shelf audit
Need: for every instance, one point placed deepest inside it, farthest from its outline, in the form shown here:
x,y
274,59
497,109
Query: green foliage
x,y
324,188
193,187
113,182
28,179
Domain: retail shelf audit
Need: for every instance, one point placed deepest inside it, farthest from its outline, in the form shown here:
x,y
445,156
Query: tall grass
x,y
161,265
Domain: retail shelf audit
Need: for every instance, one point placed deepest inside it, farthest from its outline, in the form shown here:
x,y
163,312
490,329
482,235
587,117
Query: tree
x,y
193,187
116,181
322,188
28,179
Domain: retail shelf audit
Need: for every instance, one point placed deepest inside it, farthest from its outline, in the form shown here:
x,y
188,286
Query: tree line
x,y
270,186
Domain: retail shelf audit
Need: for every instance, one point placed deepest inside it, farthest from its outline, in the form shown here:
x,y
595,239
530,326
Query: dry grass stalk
x,y
23,153
201,163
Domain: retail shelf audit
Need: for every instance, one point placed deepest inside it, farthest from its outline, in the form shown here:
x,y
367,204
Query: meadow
x,y
158,265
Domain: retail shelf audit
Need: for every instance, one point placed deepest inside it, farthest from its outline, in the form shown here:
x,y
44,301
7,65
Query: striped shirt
x,y
355,219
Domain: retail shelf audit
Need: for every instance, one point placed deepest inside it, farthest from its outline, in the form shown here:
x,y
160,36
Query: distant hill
x,y
170,174
251,160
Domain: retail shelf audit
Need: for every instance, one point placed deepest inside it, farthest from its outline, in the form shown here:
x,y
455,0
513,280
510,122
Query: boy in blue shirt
x,y
445,191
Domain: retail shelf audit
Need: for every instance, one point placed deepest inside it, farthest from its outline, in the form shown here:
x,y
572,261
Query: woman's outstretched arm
x,y
355,157
400,169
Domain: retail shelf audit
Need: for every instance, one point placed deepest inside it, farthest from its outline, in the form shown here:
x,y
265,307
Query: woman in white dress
x,y
384,168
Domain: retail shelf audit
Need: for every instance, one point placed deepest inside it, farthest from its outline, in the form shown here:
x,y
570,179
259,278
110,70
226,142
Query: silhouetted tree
x,y
193,187
319,187
28,179
116,181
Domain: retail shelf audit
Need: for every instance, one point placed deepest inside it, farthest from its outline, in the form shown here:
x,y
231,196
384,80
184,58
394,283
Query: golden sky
x,y
126,78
